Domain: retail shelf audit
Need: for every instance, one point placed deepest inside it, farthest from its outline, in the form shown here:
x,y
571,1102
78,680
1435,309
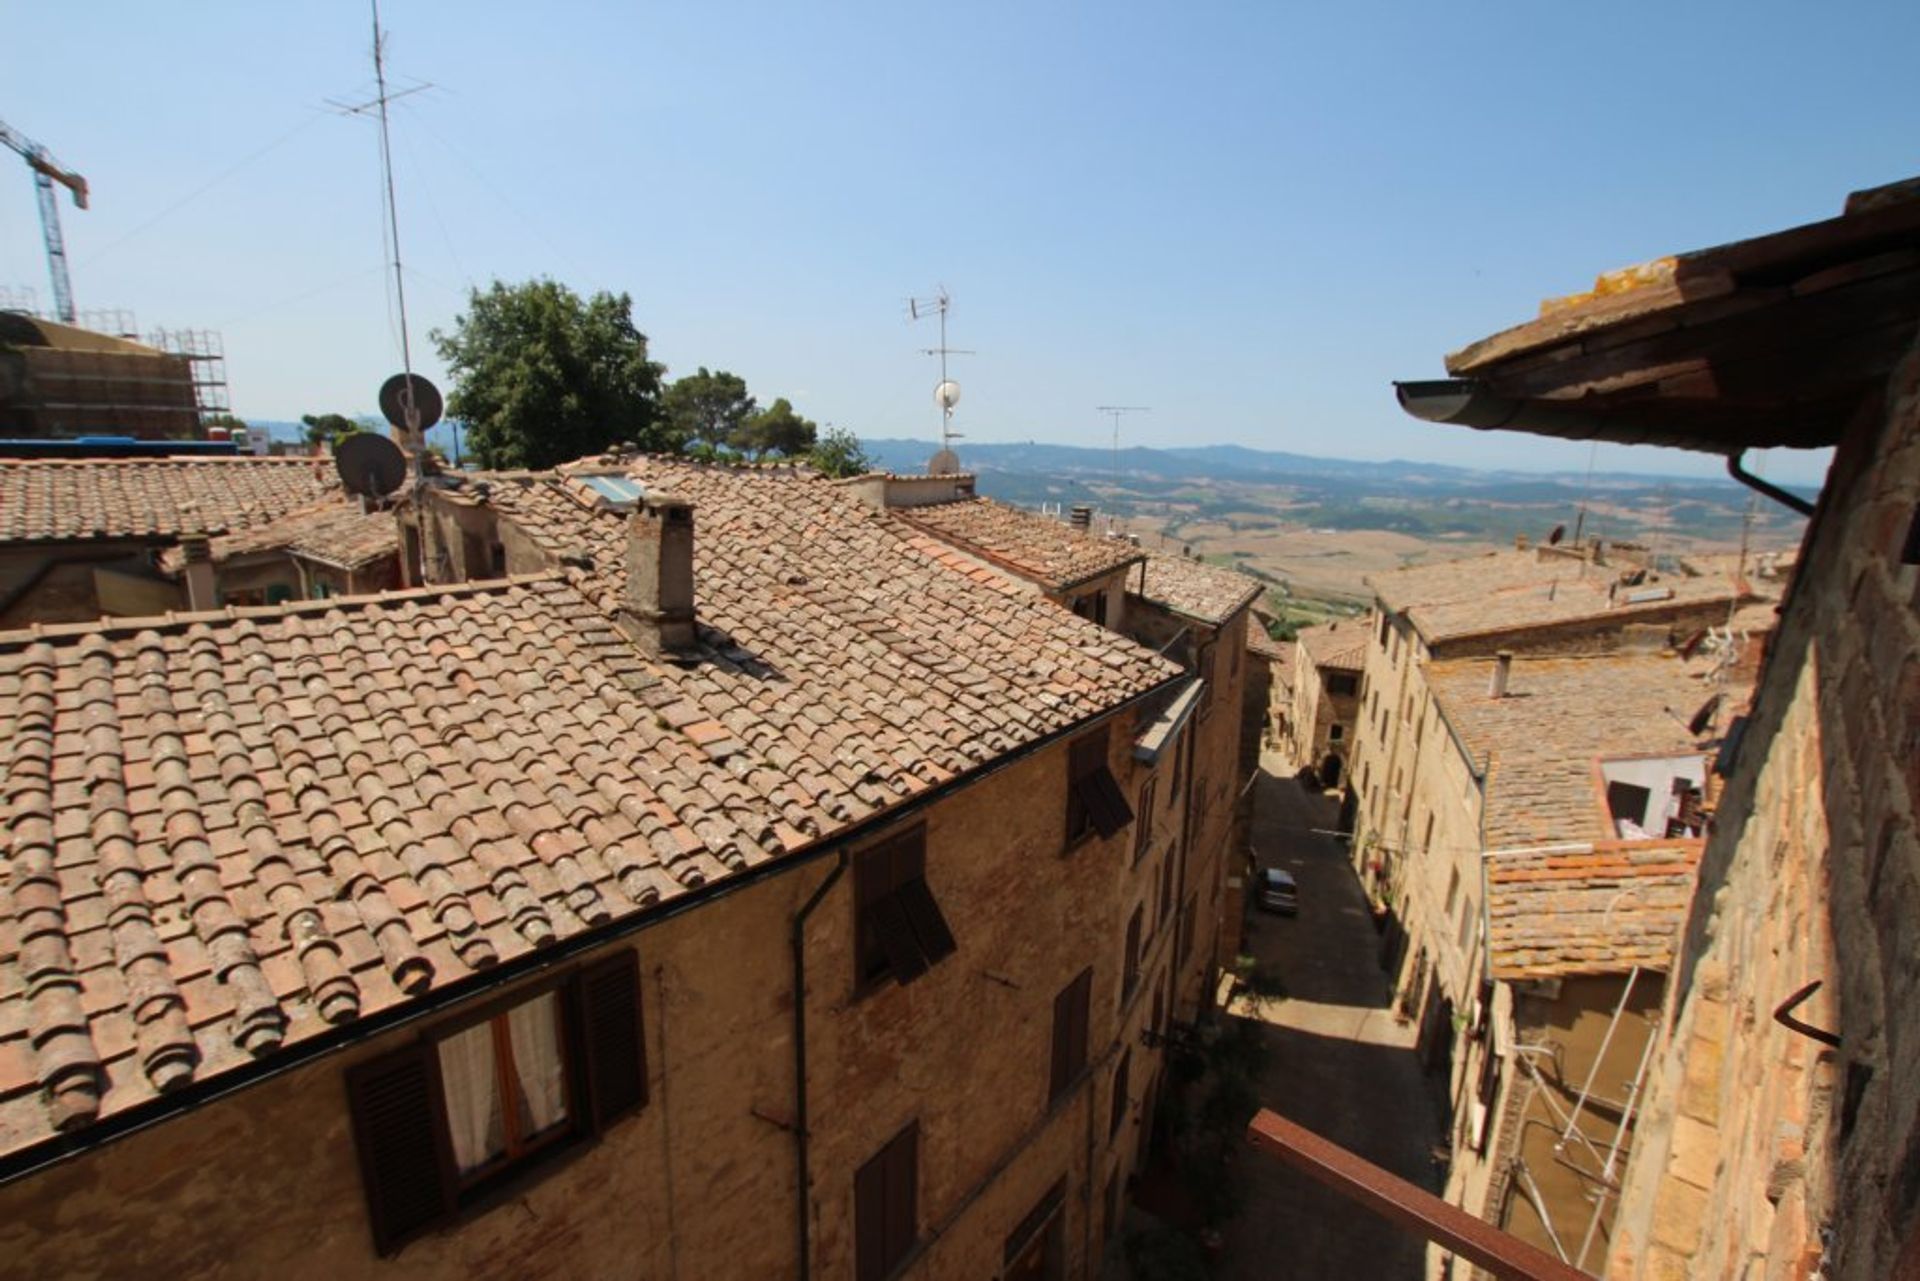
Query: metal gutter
x,y
61,1147
1767,488
803,1188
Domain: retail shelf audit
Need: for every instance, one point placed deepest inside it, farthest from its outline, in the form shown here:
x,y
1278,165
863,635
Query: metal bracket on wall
x,y
1783,1015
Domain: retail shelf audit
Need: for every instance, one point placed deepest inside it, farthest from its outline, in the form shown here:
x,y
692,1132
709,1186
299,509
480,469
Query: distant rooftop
x,y
43,500
1340,646
1514,590
1207,593
1038,548
335,532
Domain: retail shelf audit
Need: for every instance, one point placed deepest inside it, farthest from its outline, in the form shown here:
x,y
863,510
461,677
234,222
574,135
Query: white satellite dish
x,y
947,394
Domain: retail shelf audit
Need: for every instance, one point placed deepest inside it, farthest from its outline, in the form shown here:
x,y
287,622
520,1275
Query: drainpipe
x,y
1759,486
802,1206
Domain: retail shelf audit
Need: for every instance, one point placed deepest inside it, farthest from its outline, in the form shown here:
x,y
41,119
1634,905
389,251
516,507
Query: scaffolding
x,y
207,359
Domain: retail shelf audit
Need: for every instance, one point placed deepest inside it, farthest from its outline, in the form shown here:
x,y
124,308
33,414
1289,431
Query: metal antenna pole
x,y
393,230
917,308
1115,411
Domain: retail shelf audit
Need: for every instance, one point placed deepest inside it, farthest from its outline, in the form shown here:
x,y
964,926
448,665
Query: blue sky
x,y
1248,217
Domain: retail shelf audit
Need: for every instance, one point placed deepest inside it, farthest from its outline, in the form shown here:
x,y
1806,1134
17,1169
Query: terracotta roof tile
x,y
1205,592
228,831
48,499
1600,913
1512,590
1336,646
1559,718
335,532
1036,547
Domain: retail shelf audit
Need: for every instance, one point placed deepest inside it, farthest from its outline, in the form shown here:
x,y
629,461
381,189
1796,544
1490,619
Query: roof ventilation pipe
x,y
1081,518
656,608
1502,672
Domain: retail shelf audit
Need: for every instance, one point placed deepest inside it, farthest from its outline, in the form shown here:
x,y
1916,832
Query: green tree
x,y
709,411
542,376
777,430
330,429
838,454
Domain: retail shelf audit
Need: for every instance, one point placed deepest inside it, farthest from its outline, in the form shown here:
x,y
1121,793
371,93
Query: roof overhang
x,y
1776,341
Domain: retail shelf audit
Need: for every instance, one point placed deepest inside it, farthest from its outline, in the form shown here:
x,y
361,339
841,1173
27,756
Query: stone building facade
x,y
1328,663
1778,1130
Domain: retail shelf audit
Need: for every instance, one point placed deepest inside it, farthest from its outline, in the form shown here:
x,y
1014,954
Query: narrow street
x,y
1338,1063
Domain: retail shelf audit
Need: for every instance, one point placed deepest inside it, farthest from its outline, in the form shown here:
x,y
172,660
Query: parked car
x,y
1278,893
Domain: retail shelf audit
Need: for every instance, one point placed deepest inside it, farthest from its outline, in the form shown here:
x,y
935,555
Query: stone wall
x,y
1758,1140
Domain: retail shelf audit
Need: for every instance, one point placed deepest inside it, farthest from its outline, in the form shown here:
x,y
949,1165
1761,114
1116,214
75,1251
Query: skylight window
x,y
620,493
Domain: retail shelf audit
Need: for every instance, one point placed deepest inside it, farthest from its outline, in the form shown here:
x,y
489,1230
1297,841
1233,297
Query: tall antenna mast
x,y
1114,411
393,227
946,393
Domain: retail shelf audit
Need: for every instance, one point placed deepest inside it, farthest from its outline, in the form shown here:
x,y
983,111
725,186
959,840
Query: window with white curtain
x,y
505,1085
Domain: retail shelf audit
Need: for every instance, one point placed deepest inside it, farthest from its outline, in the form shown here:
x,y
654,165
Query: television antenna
x,y
1115,412
946,393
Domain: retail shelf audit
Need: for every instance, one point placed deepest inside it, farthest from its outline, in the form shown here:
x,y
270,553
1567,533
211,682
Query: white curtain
x,y
472,1088
535,1028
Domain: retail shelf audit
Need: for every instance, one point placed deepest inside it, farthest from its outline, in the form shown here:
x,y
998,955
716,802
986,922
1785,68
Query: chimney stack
x,y
197,551
1081,518
657,611
1502,670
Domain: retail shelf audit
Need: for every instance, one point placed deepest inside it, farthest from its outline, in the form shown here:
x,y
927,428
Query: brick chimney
x,y
197,551
1502,670
657,609
1081,518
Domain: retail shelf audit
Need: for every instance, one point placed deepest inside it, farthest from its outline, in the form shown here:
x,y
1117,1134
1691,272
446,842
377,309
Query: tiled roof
x,y
1513,590
1559,717
1194,588
1336,646
58,499
229,831
335,532
1036,547
1602,911
1268,648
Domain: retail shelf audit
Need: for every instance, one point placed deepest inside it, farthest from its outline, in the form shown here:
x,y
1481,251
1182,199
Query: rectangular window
x,y
1117,1105
886,1217
899,931
1036,1250
1166,889
1143,822
1342,685
1184,944
1070,1010
1131,970
1094,800
1336,732
458,1113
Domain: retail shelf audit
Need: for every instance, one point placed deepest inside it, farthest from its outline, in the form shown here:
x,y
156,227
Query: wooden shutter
x,y
929,926
1117,1106
612,1049
1130,972
896,938
1070,1033
406,1162
1105,804
886,1217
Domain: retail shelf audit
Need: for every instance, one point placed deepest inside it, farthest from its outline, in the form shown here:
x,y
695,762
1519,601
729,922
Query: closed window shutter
x,y
929,926
885,1213
903,1186
405,1162
610,1037
1070,1033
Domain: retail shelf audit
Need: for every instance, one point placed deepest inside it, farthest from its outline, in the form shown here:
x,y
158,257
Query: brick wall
x,y
1756,1138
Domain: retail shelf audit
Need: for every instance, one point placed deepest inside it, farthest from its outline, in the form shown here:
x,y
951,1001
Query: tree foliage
x,y
330,429
708,411
542,376
777,429
838,454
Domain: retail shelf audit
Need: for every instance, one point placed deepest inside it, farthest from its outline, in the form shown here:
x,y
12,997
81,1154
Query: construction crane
x,y
46,172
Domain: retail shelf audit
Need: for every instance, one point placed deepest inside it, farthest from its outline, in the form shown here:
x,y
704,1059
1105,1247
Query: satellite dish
x,y
944,463
425,398
947,394
370,464
1559,532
